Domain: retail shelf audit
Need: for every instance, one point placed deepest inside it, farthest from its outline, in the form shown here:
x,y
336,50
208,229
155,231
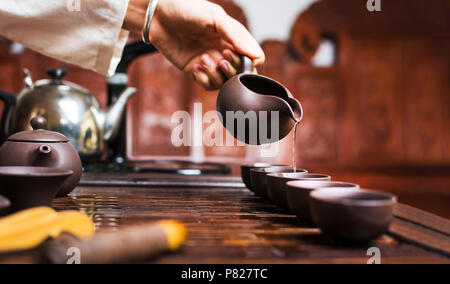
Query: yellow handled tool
x,y
30,228
126,245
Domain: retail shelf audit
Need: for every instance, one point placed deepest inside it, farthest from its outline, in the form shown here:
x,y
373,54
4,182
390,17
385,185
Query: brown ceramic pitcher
x,y
257,102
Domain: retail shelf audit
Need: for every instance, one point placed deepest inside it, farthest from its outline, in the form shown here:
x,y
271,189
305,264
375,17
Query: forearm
x,y
197,36
135,17
54,29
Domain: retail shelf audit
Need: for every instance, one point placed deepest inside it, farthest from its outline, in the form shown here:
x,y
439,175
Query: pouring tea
x,y
256,109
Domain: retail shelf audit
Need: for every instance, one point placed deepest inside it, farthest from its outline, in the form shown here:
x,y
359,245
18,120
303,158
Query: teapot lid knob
x,y
39,122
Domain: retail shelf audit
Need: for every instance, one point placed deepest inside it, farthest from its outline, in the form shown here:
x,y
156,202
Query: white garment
x,y
90,37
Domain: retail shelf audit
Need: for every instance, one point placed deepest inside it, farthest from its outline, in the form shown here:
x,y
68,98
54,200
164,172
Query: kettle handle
x,y
10,101
133,51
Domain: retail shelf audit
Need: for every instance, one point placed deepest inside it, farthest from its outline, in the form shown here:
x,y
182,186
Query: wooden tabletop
x,y
231,225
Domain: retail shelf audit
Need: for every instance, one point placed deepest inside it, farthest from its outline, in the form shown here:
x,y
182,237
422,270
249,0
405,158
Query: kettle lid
x,y
38,134
55,81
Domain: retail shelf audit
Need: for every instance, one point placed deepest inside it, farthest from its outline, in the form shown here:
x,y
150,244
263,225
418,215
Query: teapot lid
x,y
38,134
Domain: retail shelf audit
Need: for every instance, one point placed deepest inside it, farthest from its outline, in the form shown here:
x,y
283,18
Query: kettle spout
x,y
28,78
112,117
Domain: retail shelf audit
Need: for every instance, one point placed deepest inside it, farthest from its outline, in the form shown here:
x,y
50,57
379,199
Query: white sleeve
x,y
87,33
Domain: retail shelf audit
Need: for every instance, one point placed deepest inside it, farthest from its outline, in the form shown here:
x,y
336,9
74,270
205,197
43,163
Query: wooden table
x,y
230,224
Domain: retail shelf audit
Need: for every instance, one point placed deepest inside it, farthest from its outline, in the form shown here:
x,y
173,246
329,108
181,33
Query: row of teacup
x,y
340,209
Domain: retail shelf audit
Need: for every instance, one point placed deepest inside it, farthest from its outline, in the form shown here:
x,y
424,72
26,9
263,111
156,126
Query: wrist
x,y
149,15
135,16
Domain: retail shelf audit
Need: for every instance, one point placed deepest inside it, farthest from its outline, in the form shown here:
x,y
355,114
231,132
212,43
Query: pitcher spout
x,y
297,110
112,117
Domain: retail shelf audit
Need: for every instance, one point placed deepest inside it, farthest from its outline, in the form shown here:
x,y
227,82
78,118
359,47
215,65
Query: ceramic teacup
x,y
277,184
298,194
245,171
28,187
352,215
259,178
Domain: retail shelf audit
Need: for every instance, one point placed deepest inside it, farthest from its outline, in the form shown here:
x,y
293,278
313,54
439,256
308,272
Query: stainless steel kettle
x,y
68,108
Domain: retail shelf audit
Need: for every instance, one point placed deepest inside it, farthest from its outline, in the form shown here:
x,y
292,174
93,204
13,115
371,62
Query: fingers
x,y
237,35
232,58
235,60
211,68
227,68
209,73
202,78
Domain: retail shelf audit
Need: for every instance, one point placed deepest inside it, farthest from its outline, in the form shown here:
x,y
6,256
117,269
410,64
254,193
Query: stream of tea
x,y
294,160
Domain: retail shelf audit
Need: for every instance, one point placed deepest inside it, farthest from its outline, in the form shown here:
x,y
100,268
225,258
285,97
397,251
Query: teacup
x,y
259,178
298,194
28,187
355,216
277,184
245,171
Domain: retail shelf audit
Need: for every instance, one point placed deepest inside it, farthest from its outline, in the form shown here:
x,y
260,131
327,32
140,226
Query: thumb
x,y
240,38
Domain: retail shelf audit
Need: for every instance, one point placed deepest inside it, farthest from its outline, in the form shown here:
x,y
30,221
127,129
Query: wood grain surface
x,y
230,225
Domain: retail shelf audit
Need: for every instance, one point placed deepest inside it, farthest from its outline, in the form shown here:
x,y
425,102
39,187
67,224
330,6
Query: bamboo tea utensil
x,y
130,244
30,228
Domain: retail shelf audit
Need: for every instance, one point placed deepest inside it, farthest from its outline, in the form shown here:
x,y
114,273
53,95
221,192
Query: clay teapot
x,y
246,98
42,148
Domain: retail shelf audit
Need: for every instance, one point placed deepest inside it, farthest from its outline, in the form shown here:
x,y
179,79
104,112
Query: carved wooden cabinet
x,y
385,100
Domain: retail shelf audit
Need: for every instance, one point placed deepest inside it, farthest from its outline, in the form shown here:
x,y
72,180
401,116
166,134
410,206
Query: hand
x,y
199,38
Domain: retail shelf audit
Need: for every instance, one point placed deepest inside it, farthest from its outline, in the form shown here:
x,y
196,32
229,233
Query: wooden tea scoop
x,y
128,244
30,228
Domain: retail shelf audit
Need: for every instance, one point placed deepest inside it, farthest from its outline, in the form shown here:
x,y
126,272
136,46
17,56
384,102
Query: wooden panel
x,y
425,130
393,67
317,89
375,89
7,79
9,69
162,91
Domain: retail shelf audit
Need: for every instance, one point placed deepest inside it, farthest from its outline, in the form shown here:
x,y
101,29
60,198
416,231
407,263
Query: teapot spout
x,y
112,117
